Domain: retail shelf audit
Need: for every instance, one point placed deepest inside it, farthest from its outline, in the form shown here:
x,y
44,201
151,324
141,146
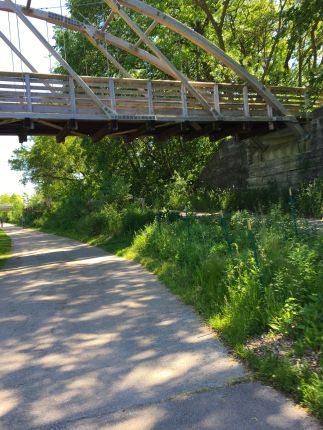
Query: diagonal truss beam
x,y
117,9
127,47
90,30
151,28
18,53
107,54
23,58
107,22
108,112
209,47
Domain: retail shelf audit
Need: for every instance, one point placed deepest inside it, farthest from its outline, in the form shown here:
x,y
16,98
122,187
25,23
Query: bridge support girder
x,y
108,128
70,126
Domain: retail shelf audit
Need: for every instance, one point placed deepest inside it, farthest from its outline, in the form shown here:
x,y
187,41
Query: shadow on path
x,y
90,340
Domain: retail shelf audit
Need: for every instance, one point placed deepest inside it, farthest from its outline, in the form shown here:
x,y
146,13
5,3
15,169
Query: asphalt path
x,y
92,341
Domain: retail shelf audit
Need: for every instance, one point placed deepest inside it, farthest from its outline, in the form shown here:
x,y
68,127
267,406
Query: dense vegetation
x,y
276,40
261,288
14,215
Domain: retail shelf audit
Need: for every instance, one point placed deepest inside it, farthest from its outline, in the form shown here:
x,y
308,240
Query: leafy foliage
x,y
15,214
278,41
111,171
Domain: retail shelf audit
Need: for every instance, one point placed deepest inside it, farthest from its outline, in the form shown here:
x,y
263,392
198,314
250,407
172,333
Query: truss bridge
x,y
34,104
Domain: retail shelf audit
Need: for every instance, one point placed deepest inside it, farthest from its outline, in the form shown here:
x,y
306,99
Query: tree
x,y
16,201
279,41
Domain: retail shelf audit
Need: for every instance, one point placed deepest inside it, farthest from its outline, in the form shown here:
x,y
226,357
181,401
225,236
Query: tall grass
x,y
245,297
5,247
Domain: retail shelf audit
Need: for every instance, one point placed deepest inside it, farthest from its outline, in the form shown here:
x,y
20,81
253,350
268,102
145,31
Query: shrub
x,y
134,218
242,297
309,199
177,193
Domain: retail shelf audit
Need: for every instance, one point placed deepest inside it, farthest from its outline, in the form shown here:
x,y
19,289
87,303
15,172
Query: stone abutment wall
x,y
276,157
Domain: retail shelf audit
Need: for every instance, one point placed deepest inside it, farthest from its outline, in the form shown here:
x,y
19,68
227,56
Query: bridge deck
x,y
48,104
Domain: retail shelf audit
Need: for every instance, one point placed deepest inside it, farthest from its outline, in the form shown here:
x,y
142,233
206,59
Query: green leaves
x,y
50,165
15,214
278,41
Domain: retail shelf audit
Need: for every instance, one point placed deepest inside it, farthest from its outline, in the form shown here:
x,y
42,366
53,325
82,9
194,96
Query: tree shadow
x,y
84,334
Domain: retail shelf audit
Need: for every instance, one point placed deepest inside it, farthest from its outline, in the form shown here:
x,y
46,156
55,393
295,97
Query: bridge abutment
x,y
275,158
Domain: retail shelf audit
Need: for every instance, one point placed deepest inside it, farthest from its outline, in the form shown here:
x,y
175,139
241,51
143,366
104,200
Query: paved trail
x,y
92,341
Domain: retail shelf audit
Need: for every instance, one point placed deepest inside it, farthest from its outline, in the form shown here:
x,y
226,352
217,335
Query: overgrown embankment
x,y
260,287
5,247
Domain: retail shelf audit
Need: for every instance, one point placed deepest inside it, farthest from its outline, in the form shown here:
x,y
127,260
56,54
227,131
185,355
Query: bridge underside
x,y
97,130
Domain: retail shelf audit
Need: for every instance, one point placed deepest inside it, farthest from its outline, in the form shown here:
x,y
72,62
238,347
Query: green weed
x,y
5,247
239,296
304,385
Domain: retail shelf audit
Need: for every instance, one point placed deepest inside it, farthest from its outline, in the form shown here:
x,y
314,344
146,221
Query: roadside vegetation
x,y
5,248
261,289
255,276
14,215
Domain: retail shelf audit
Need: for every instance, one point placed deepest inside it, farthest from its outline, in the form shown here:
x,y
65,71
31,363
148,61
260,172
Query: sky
x,y
38,56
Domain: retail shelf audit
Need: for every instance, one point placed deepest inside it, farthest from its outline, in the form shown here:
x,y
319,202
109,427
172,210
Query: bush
x,y
242,296
14,215
177,193
310,199
134,218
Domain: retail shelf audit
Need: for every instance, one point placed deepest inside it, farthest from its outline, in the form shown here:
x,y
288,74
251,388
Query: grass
x,y
305,386
113,245
5,247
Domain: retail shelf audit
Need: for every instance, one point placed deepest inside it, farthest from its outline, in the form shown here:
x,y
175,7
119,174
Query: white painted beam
x,y
107,54
216,52
108,112
90,30
115,7
107,22
152,26
18,53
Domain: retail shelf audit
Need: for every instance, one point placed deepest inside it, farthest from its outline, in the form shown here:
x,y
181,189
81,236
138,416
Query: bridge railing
x,y
58,96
